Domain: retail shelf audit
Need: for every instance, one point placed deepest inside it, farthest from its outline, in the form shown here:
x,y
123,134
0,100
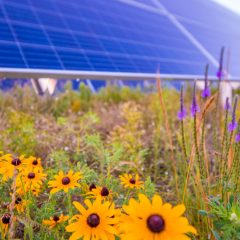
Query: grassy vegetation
x,y
192,159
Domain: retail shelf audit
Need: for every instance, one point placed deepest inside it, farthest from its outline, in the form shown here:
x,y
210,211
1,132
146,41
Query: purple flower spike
x,y
194,110
220,72
238,137
194,107
206,91
233,124
227,104
182,112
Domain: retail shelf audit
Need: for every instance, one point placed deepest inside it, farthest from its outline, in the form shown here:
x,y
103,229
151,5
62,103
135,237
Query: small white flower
x,y
66,148
233,217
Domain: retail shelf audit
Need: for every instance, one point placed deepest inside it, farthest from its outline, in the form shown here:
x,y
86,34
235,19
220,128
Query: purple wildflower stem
x,y
181,116
238,137
233,124
206,91
227,104
194,107
220,73
182,112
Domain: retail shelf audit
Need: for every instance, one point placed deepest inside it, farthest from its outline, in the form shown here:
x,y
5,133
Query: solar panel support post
x,y
37,87
90,85
120,83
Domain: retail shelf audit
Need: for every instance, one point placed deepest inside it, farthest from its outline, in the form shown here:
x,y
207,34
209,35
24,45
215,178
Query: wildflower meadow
x,y
120,164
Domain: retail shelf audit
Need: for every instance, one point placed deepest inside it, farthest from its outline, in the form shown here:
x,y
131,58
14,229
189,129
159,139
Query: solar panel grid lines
x,y
98,35
223,40
54,28
150,45
6,33
188,34
74,61
10,56
13,53
49,39
145,5
220,28
114,54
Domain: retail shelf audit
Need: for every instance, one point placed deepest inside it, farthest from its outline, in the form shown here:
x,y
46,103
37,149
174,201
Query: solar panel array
x,y
99,35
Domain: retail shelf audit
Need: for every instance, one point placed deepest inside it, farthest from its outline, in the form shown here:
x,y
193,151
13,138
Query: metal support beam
x,y
66,74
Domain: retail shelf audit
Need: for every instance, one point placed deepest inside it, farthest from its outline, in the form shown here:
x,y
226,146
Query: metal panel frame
x,y
98,75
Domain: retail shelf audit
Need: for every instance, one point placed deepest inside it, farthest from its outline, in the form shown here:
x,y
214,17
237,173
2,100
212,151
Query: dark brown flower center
x,y
55,218
6,218
93,220
132,181
16,162
35,162
31,175
155,223
104,192
18,200
65,180
92,186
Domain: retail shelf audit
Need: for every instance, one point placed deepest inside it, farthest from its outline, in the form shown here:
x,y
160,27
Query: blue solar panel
x,y
212,25
41,57
99,35
74,60
31,35
10,56
6,33
16,13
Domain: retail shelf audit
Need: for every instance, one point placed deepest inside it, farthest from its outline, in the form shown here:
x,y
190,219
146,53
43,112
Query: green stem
x,y
127,196
236,175
28,231
183,140
225,166
223,141
69,204
234,163
203,169
57,234
196,142
156,155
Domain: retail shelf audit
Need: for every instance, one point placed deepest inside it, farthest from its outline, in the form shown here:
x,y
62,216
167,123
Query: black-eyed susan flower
x,y
33,162
130,181
20,204
97,221
4,224
144,219
30,181
92,186
65,181
55,220
103,192
8,164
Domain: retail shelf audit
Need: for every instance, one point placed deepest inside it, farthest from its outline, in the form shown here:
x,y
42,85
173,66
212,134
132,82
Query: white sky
x,y
233,5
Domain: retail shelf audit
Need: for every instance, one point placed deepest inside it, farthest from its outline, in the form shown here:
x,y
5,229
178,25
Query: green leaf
x,y
216,235
203,212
